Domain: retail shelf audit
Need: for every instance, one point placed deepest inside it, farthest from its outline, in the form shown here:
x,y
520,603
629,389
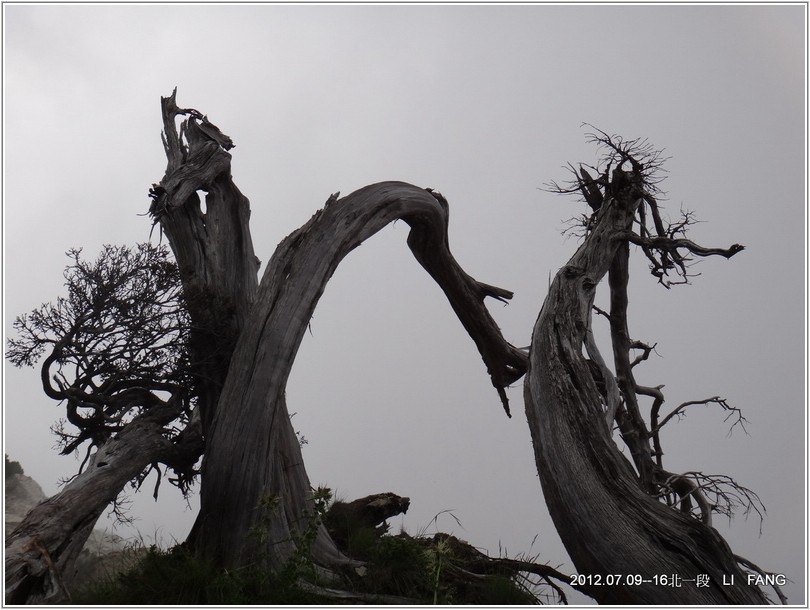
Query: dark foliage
x,y
114,347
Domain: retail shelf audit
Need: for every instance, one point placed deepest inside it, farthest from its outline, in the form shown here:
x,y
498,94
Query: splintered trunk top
x,y
213,248
255,494
219,269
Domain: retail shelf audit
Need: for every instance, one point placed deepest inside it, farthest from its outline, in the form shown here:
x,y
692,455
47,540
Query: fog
x,y
486,105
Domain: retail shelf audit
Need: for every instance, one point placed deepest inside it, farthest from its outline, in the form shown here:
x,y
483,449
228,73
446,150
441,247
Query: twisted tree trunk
x,y
255,493
611,527
253,474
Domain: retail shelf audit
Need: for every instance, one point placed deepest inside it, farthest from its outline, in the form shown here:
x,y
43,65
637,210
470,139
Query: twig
x,y
749,564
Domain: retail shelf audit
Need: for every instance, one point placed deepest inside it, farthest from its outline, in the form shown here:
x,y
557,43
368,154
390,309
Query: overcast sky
x,y
485,104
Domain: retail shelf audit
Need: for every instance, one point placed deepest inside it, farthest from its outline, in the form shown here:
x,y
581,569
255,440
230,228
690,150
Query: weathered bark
x,y
253,477
42,550
255,493
213,249
256,496
607,522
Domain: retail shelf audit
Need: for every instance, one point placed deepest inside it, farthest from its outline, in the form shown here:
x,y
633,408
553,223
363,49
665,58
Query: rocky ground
x,y
22,494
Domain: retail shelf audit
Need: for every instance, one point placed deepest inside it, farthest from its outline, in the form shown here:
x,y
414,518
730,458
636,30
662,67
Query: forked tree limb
x,y
634,429
679,411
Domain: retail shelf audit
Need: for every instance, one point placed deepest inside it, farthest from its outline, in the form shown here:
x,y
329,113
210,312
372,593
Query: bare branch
x,y
544,571
669,244
658,400
728,496
632,425
645,351
752,566
733,412
686,489
639,152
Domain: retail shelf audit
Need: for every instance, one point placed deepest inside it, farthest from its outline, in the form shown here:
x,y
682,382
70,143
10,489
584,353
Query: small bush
x,y
399,566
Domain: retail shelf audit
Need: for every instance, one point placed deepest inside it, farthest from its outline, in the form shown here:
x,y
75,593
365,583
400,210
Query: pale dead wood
x,y
252,410
605,508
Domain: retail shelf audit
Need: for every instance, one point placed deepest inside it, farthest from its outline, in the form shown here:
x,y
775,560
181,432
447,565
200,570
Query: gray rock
x,y
104,555
22,494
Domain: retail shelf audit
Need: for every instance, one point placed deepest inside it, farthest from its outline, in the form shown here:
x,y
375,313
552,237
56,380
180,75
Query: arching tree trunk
x,y
255,493
253,475
615,532
256,499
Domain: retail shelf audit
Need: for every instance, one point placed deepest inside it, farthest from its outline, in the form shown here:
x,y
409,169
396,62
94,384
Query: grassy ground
x,y
397,569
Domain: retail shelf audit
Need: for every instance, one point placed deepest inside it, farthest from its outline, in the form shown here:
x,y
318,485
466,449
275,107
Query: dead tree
x,y
631,527
253,477
615,516
132,422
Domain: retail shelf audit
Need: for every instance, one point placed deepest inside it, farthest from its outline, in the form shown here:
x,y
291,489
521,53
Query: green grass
x,y
176,577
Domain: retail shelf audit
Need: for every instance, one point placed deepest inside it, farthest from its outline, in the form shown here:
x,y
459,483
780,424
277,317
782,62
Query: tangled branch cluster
x,y
663,241
117,346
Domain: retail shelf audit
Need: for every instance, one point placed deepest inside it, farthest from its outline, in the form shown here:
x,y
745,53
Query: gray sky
x,y
483,103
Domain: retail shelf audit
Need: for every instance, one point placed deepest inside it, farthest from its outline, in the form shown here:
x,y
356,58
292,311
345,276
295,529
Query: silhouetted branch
x,y
678,412
752,566
669,244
